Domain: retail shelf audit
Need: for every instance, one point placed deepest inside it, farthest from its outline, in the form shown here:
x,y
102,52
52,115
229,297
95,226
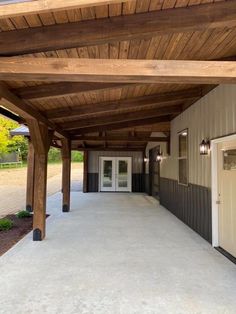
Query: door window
x,y
107,173
122,173
183,157
229,159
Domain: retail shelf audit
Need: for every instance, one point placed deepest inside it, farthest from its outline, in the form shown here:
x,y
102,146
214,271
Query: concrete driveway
x,y
115,253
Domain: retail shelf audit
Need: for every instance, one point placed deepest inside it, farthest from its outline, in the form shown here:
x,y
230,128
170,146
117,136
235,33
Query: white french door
x,y
115,174
107,173
123,174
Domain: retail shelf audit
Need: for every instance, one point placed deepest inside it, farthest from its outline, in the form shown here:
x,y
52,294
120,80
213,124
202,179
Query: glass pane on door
x,y
107,174
123,174
230,159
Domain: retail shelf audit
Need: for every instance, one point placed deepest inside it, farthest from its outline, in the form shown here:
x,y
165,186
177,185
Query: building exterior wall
x,y
211,117
138,184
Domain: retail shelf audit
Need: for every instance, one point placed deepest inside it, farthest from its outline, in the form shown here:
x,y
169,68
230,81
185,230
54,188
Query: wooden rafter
x,y
43,6
62,89
132,139
111,148
118,71
101,31
121,117
123,125
110,107
17,105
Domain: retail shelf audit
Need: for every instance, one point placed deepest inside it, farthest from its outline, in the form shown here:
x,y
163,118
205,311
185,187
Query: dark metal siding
x,y
92,182
138,183
191,204
147,183
154,173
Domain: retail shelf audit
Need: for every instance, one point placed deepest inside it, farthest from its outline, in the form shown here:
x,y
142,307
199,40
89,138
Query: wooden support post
x,y
66,174
30,178
85,175
41,139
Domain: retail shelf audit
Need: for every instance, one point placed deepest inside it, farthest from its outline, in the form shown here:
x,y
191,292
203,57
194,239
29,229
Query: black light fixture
x,y
145,159
159,156
204,147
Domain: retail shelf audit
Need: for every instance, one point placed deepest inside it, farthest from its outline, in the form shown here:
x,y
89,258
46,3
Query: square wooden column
x,y
66,174
30,178
41,139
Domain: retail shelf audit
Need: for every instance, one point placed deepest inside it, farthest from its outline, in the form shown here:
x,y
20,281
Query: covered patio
x,y
105,76
146,89
116,253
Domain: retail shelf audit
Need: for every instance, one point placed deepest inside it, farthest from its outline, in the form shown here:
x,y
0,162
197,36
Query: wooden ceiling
x,y
99,112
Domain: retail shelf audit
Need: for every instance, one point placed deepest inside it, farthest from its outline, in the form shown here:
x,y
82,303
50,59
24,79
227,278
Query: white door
x,y
227,196
123,174
115,174
107,173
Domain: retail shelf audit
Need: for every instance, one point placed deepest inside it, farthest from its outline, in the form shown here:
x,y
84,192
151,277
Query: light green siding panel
x,y
212,116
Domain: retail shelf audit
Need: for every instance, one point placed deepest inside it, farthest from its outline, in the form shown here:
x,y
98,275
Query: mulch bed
x,y
20,228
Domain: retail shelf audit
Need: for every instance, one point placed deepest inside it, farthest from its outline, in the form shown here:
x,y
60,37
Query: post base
x,y
65,208
37,235
29,208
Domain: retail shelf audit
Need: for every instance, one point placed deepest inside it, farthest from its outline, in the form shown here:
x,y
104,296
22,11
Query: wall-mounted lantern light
x,y
145,159
159,156
204,147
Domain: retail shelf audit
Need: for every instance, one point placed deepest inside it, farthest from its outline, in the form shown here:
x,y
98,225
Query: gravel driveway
x,y
13,185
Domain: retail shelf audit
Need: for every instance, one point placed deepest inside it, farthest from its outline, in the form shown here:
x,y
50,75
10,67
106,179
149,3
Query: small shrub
x,y
77,156
23,214
5,224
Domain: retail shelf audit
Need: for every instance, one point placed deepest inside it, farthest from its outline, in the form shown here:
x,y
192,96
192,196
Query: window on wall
x,y
183,157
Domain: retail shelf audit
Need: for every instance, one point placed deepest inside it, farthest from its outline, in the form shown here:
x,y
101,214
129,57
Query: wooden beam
x,y
118,70
41,138
121,117
66,173
63,88
155,127
127,27
19,8
158,100
17,105
30,177
132,139
120,125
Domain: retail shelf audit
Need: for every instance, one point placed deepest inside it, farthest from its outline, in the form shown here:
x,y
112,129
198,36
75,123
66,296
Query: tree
x,y
19,144
10,144
3,141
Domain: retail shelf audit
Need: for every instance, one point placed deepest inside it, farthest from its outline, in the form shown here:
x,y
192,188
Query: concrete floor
x,y
115,253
